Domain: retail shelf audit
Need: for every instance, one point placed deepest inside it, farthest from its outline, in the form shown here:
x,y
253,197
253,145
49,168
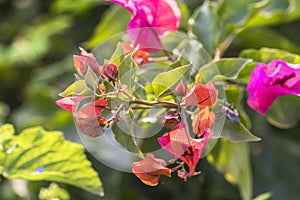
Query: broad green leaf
x,y
225,68
127,71
125,137
275,12
233,160
53,192
166,80
108,27
118,55
237,132
36,155
205,25
266,55
79,88
284,112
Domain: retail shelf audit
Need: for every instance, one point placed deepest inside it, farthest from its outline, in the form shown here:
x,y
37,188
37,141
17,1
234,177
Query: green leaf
x,y
205,25
284,112
226,68
91,79
53,192
264,196
266,55
125,137
108,27
36,155
233,160
127,71
79,88
166,80
118,55
237,132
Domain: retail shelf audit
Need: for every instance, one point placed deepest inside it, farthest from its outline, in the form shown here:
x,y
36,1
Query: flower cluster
x,y
90,98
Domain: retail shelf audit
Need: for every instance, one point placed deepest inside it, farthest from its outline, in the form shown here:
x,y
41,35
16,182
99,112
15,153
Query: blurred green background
x,y
37,41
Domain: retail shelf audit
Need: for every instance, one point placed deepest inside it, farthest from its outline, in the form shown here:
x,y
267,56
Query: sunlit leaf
x,y
225,68
36,155
53,192
166,80
79,88
264,196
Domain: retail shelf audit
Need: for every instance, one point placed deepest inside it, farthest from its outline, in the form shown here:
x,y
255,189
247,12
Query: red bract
x,y
150,169
201,95
202,121
150,19
109,71
69,103
180,144
85,60
141,57
91,126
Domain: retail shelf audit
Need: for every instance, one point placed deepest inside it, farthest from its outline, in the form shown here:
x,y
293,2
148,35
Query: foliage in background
x,y
35,65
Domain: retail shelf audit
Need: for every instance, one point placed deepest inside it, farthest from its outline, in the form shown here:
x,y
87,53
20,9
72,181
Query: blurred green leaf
x,y
233,161
127,71
185,14
166,80
76,6
36,155
225,68
54,192
34,42
284,112
78,88
108,27
205,25
264,196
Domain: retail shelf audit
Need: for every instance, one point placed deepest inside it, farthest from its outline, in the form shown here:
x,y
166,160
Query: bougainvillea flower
x,y
170,118
150,169
85,60
180,144
201,95
269,81
202,121
150,19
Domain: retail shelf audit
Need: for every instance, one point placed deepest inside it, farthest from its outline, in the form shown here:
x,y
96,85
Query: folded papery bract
x,y
202,121
269,81
84,61
180,144
150,20
150,169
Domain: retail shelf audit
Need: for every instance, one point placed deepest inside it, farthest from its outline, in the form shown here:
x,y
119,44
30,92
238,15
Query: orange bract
x,y
150,169
203,120
201,95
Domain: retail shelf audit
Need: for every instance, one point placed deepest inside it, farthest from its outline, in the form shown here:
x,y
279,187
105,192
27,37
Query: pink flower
x,y
150,19
180,144
267,82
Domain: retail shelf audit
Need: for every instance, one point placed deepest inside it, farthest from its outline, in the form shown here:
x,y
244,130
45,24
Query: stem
x,y
158,59
224,45
165,104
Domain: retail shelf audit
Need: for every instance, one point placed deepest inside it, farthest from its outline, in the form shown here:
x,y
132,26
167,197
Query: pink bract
x,y
180,144
150,19
269,81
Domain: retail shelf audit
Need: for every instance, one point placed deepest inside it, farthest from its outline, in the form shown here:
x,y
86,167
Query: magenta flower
x,y
267,82
150,19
